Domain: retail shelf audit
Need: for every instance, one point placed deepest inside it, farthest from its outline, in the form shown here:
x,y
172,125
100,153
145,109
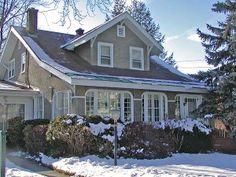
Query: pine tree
x,y
220,47
139,11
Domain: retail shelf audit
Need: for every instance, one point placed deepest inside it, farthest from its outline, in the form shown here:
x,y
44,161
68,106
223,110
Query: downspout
x,y
27,80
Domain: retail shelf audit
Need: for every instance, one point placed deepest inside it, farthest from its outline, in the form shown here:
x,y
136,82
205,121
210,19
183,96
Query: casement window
x,y
11,69
154,106
186,104
62,103
105,54
23,61
101,102
136,58
15,110
120,31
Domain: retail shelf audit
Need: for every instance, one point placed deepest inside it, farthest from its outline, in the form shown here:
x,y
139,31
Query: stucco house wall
x,y
121,46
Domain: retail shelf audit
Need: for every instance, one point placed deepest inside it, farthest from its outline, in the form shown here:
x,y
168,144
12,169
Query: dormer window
x,y
120,31
136,58
105,54
11,69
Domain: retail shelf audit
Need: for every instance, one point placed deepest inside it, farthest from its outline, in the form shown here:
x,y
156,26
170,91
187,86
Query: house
x,y
44,74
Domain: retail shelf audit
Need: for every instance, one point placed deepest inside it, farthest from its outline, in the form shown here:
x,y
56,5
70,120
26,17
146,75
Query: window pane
x,y
127,107
105,50
192,105
90,103
136,58
137,64
105,55
177,107
136,54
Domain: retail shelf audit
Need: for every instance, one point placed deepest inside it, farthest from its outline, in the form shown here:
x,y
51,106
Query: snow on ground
x,y
211,165
13,170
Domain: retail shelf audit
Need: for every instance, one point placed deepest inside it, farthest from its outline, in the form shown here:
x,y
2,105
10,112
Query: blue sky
x,y
178,20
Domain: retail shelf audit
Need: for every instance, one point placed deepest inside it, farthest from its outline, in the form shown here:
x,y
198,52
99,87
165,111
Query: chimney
x,y
32,20
79,32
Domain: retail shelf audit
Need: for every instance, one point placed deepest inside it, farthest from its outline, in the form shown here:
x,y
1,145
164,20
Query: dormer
x,y
118,43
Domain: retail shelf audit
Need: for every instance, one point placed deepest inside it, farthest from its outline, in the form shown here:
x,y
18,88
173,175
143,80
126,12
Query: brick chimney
x,y
32,20
79,32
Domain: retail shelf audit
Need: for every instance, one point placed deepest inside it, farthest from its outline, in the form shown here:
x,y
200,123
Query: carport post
x,y
2,153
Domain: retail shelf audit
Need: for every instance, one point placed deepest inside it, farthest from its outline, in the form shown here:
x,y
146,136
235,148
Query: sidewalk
x,y
34,166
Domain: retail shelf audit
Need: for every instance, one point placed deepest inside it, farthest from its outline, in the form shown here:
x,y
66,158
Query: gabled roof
x,y
124,18
45,49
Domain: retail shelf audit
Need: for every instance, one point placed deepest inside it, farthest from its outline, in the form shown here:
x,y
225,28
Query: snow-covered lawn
x,y
13,170
213,164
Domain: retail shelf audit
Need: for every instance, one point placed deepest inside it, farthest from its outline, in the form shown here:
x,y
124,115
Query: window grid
x,y
106,100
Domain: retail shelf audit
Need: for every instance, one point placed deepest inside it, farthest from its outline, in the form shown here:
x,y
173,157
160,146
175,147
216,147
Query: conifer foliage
x,y
220,48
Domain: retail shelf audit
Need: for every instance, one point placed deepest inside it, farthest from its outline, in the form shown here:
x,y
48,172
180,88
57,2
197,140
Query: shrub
x,y
196,141
142,141
35,122
68,136
35,139
15,132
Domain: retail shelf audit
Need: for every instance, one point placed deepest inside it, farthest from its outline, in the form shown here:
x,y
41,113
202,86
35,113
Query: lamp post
x,y
115,115
3,128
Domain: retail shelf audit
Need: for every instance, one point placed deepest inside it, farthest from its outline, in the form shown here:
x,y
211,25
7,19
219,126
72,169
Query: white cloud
x,y
194,37
171,38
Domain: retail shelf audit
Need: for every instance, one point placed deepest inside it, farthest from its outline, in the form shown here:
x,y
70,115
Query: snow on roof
x,y
5,86
169,67
41,54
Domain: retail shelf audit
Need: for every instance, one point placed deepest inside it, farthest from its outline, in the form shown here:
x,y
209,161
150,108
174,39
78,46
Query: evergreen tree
x,y
220,47
139,11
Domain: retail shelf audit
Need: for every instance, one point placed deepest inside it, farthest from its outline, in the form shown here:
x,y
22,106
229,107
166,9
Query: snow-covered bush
x,y
143,141
76,135
194,134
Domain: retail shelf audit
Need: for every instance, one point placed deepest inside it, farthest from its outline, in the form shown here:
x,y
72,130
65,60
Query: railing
x,y
2,153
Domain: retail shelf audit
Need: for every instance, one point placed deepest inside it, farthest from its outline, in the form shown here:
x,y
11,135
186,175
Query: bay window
x,y
154,106
101,102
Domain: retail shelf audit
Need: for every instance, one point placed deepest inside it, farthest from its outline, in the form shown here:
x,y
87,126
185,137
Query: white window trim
x,y
130,57
36,106
122,105
183,109
10,67
99,53
161,106
23,54
123,28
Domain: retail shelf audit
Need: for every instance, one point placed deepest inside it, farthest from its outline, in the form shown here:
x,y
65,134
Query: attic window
x,y
120,31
